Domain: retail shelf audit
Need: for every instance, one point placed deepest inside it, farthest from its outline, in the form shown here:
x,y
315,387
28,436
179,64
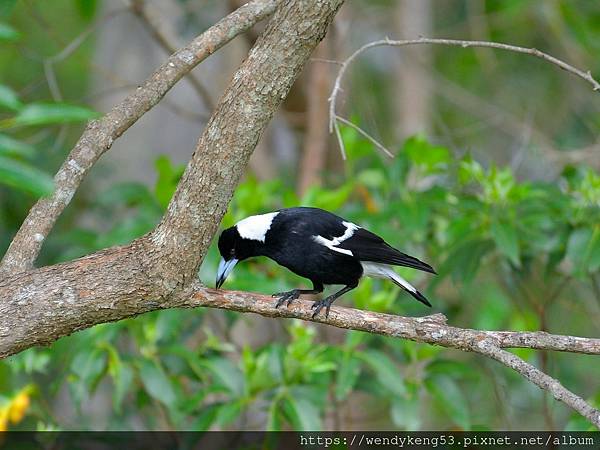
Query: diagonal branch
x,y
100,134
140,9
429,329
545,382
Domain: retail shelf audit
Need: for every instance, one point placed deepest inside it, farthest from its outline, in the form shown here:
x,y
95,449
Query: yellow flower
x,y
4,418
19,406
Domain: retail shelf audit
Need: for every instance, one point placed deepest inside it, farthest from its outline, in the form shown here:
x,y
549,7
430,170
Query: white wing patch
x,y
378,270
332,244
255,227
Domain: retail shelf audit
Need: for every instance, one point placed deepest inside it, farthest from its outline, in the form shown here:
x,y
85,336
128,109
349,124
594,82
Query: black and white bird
x,y
317,245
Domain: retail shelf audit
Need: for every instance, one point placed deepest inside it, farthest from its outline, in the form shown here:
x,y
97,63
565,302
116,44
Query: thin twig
x,y
69,49
374,141
327,61
451,42
543,381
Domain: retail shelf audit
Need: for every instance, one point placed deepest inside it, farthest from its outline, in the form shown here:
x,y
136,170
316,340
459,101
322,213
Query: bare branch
x,y
366,135
587,76
138,7
428,329
100,134
545,382
65,308
68,50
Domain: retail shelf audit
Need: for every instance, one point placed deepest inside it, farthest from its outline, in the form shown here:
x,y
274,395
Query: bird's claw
x,y
288,297
319,304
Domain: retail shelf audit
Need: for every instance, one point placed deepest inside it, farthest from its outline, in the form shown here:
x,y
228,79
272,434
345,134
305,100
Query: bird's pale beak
x,y
225,268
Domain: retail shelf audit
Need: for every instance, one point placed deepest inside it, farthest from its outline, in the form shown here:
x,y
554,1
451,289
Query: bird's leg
x,y
327,301
292,295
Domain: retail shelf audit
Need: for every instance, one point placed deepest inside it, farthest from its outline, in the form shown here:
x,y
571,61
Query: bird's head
x,y
243,240
233,248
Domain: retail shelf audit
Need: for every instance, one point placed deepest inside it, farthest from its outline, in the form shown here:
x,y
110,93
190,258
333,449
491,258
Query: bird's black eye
x,y
232,252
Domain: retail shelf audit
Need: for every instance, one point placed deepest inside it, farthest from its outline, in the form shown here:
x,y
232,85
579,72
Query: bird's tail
x,y
398,280
378,270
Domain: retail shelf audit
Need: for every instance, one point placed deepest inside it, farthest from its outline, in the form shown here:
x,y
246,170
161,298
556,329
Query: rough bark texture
x,y
39,306
100,134
65,307
255,92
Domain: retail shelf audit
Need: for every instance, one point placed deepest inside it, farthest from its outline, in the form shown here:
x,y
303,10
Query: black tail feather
x,y
420,297
416,294
402,259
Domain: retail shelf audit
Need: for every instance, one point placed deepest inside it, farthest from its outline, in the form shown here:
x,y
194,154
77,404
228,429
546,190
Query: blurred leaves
x,y
7,33
9,99
36,114
22,176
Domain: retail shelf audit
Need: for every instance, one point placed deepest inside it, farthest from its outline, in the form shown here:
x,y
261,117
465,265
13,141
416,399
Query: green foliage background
x,y
512,252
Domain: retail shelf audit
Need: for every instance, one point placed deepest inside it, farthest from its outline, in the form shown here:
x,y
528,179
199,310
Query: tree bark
x,y
114,283
100,134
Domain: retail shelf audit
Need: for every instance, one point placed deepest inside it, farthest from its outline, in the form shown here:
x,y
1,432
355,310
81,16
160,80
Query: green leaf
x,y
274,416
9,99
12,147
507,241
387,373
206,417
346,376
432,158
228,412
8,33
583,249
89,367
227,373
87,8
303,414
168,177
465,260
50,114
405,412
121,374
156,382
25,177
450,399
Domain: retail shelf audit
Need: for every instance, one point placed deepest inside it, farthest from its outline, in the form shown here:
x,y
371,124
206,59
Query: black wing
x,y
367,246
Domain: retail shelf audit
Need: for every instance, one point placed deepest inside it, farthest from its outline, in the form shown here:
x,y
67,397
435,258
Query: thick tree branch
x,y
244,111
100,134
67,309
106,285
429,329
